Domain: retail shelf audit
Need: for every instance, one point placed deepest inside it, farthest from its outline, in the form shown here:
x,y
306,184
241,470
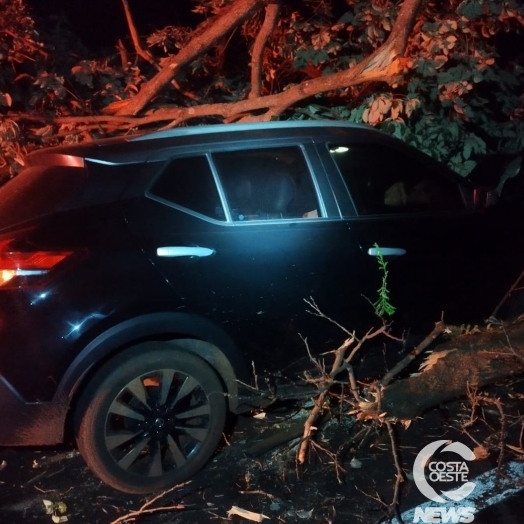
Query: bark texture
x,y
469,361
257,56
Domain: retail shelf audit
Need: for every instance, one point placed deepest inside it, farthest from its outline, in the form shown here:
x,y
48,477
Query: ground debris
x,y
57,510
46,461
355,463
249,515
303,514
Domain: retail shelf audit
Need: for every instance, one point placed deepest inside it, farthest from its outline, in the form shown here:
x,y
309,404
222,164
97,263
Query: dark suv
x,y
139,276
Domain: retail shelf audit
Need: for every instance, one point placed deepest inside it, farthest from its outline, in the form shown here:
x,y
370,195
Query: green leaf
x,y
470,9
347,18
382,305
466,153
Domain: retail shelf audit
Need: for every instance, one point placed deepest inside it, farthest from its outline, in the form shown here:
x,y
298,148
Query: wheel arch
x,y
184,331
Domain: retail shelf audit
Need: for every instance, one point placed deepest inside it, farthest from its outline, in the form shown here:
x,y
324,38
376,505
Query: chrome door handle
x,y
184,251
386,251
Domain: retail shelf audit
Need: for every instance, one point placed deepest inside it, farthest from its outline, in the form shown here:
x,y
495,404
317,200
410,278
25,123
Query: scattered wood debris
x,y
244,513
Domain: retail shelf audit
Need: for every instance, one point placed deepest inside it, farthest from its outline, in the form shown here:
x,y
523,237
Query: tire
x,y
151,418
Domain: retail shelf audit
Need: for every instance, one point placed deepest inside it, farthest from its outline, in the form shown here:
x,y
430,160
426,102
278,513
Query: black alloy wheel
x,y
152,417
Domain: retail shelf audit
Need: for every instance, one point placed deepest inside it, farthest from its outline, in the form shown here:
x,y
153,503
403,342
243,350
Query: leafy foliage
x,y
457,94
19,44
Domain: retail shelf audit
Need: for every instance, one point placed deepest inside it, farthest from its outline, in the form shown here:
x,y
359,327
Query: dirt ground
x,y
273,484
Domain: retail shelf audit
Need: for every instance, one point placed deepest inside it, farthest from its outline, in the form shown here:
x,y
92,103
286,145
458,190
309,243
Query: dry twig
x,y
342,362
399,478
509,346
439,328
147,509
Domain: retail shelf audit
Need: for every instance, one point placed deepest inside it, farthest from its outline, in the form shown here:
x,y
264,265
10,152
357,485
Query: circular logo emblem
x,y
443,471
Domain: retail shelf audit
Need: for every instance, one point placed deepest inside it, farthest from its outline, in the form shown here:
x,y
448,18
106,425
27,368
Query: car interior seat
x,y
265,192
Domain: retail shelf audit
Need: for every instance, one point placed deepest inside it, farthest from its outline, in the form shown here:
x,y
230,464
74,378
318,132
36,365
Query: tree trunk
x,y
463,363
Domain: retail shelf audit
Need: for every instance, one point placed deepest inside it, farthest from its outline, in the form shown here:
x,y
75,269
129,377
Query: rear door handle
x,y
184,251
386,251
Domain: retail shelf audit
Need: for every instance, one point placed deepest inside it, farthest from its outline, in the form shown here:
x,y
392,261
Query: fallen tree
x,y
408,68
462,363
383,65
459,362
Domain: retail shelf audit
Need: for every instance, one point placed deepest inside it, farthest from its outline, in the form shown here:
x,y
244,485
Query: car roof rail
x,y
251,126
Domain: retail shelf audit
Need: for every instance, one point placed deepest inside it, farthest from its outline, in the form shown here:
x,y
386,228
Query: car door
x,y
442,257
243,237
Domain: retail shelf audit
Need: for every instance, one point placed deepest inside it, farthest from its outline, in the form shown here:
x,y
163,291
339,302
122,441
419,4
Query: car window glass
x,y
267,184
382,180
189,182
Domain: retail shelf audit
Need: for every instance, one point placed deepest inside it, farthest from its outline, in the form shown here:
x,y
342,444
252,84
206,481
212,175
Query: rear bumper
x,y
29,424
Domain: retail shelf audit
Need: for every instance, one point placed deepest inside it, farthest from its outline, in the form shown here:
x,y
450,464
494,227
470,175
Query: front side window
x,y
189,182
267,184
382,180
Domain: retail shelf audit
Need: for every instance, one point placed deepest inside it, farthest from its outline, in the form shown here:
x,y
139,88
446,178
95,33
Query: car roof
x,y
293,125
135,148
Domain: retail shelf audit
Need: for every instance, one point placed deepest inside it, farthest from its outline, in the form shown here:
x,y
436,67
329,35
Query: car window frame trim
x,y
208,150
334,173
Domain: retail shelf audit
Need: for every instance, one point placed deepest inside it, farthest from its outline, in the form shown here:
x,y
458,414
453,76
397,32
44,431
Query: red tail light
x,y
24,267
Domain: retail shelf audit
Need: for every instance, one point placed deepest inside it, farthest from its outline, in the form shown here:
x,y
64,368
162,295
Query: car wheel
x,y
151,418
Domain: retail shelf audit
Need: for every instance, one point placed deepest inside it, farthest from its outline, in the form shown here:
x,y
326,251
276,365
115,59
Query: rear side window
x,y
189,182
38,191
267,184
383,180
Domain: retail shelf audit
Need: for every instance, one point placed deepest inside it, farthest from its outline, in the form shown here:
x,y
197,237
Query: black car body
x,y
202,243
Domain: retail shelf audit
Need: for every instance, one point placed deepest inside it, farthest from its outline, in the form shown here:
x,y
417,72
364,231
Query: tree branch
x,y
381,66
123,54
403,26
439,328
134,35
447,376
230,18
257,55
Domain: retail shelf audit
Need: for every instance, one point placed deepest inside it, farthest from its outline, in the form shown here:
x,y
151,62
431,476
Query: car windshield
x,y
37,191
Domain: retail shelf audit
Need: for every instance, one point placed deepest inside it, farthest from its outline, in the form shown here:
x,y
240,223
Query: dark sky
x,y
100,23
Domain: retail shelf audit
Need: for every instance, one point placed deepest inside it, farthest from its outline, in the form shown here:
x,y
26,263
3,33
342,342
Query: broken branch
x,y
257,55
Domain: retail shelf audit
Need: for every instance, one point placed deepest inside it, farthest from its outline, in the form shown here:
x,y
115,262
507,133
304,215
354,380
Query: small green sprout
x,y
383,306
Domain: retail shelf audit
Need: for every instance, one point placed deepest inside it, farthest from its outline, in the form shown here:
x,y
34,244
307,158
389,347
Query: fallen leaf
x,y
481,453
